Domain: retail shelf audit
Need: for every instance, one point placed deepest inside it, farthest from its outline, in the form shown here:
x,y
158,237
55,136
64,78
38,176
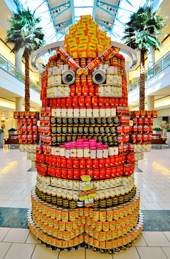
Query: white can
x,y
67,90
79,152
76,112
95,112
107,111
86,152
99,153
64,112
58,112
70,112
73,152
93,153
102,112
57,151
101,90
82,112
67,153
112,112
89,112
76,185
62,151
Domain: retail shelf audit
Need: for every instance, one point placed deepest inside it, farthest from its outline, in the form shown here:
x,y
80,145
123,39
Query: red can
x,y
63,162
64,173
58,161
89,163
78,90
88,101
101,101
72,90
53,171
112,161
75,163
68,101
76,174
107,101
112,101
107,162
108,172
82,163
102,173
90,173
69,163
85,90
91,90
94,101
81,101
82,172
101,162
96,173
58,172
70,173
75,101
113,172
95,163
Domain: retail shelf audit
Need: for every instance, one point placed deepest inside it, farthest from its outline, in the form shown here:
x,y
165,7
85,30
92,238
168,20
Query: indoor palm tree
x,y
141,33
25,34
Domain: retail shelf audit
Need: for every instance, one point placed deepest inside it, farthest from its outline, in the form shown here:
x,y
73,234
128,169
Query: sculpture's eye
x,y
68,77
99,77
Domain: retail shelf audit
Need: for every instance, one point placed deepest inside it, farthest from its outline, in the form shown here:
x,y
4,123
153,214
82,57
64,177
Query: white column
x,y
18,104
150,103
151,57
18,60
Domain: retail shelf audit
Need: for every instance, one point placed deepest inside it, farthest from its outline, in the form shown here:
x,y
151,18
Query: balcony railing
x,y
11,69
160,65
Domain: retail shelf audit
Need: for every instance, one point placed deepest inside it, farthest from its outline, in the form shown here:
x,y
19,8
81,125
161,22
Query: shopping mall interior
x,y
84,129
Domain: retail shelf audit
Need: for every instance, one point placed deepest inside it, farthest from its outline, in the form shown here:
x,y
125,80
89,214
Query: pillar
x,y
150,103
18,104
151,57
18,60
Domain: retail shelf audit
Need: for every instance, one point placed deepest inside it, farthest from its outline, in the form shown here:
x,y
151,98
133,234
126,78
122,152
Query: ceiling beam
x,y
101,8
61,12
94,10
72,11
113,6
109,22
58,6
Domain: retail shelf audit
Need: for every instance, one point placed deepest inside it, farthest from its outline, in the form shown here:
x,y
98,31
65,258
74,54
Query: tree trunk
x,y
142,82
27,81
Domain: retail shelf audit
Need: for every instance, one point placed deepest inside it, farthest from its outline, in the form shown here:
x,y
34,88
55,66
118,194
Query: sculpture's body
x,y
84,131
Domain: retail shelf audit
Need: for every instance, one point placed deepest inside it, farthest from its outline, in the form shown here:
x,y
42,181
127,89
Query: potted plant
x,y
1,138
157,130
12,131
168,137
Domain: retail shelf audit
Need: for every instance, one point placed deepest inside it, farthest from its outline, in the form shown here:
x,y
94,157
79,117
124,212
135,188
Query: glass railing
x,y
11,69
160,65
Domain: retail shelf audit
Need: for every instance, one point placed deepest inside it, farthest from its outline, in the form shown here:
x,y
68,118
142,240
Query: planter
x,y
157,132
10,132
1,140
168,139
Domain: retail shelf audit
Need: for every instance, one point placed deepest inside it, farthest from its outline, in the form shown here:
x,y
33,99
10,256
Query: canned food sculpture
x,y
85,158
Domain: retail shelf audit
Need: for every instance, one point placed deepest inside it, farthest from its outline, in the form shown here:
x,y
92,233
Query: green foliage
x,y
12,129
168,130
157,129
24,31
143,30
1,131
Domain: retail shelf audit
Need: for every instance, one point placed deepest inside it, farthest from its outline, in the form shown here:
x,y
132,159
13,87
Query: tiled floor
x,y
16,184
21,244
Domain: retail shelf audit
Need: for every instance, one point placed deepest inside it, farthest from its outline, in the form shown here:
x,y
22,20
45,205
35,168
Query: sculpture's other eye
x,y
98,77
68,77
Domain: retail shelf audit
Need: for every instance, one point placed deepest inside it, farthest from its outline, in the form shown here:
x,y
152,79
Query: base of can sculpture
x,y
82,227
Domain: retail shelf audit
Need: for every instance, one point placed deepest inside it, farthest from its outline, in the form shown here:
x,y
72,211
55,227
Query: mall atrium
x,y
84,129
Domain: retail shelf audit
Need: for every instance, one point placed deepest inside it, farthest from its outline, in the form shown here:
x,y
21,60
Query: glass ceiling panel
x,y
83,11
83,3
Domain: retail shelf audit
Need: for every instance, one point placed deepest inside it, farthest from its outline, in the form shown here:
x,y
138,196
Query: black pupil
x,y
69,77
98,77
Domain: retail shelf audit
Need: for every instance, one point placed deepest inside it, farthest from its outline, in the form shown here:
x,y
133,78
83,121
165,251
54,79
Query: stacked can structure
x,y
86,130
